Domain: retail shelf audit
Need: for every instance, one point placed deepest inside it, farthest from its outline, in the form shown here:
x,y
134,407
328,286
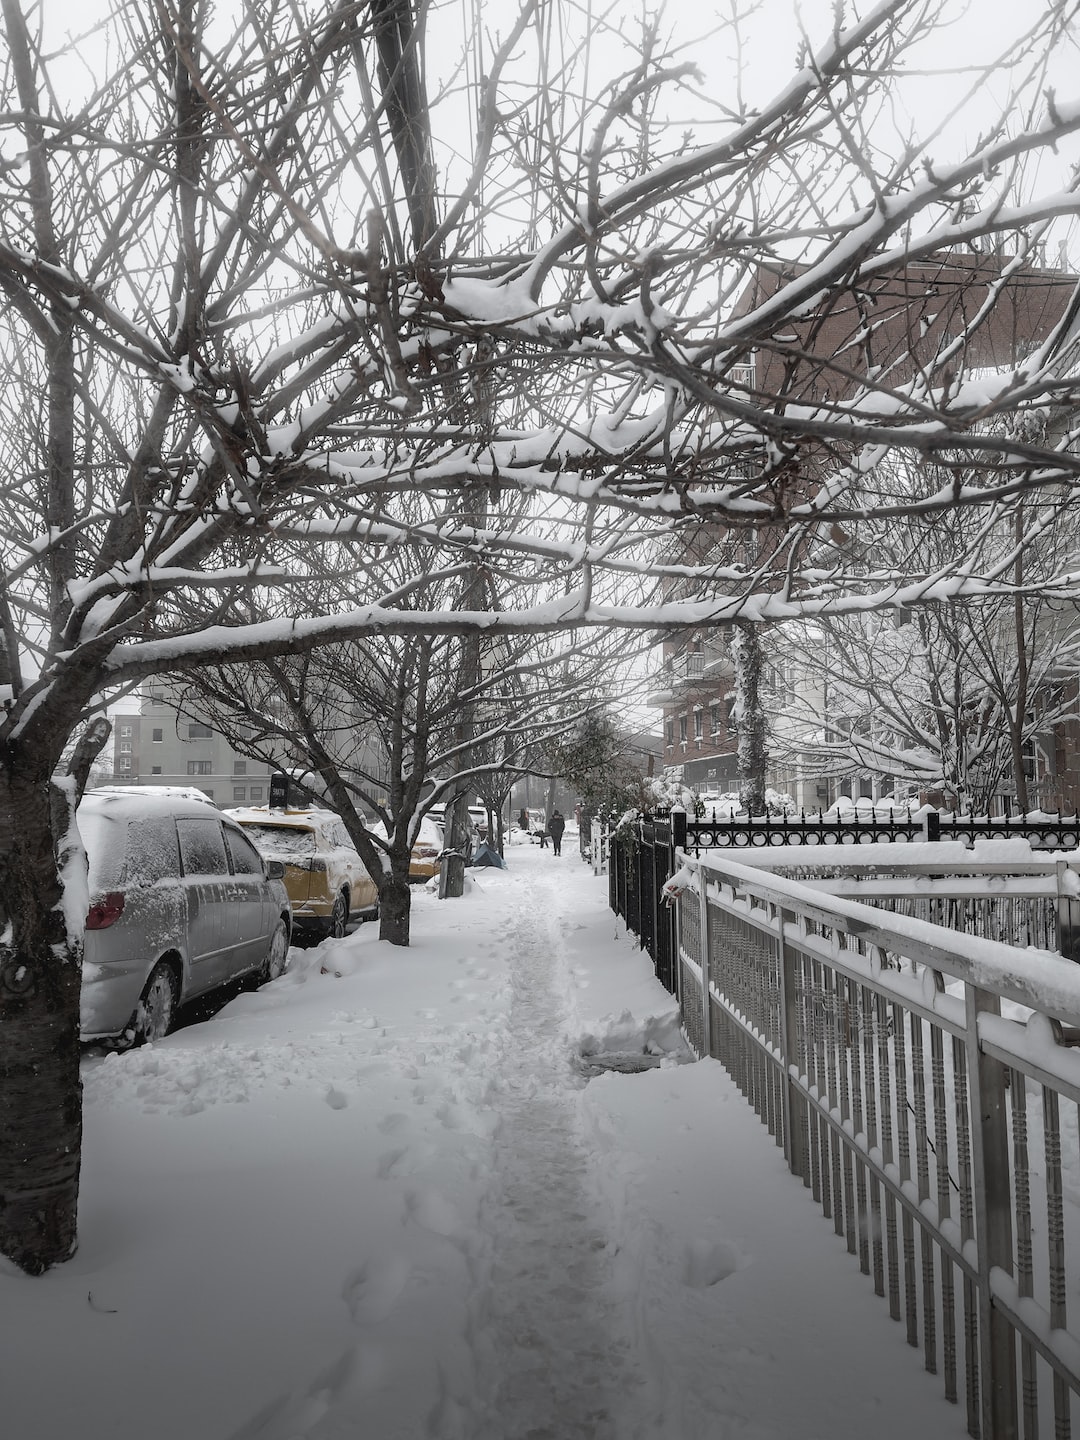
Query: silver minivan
x,y
180,903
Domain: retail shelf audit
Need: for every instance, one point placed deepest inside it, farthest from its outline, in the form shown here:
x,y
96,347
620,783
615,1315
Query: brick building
x,y
893,326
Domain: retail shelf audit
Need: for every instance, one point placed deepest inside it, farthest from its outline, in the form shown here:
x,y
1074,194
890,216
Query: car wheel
x,y
277,956
157,1005
339,918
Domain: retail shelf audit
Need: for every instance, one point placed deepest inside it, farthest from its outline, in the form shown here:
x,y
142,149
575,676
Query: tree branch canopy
x,y
291,287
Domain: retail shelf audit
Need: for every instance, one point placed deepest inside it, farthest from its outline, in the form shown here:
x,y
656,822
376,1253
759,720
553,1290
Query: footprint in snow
x,y
390,1162
291,1416
432,1210
371,1291
707,1262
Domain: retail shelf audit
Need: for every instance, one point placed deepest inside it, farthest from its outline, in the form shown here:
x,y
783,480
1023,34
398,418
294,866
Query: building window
x,y
239,794
198,731
699,724
714,718
125,729
256,793
157,735
200,767
125,764
125,747
155,769
682,729
671,734
239,767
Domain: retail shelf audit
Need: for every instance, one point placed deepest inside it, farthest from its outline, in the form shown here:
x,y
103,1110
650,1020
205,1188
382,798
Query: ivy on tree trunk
x,y
749,715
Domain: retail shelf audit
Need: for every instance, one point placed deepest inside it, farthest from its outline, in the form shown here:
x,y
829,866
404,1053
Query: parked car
x,y
328,883
477,814
427,847
180,903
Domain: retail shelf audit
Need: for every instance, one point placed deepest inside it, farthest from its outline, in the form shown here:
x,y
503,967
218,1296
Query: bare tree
x,y
246,292
954,699
375,727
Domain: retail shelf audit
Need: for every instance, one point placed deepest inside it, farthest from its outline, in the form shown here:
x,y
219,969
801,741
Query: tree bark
x,y
1019,713
753,756
395,908
40,1089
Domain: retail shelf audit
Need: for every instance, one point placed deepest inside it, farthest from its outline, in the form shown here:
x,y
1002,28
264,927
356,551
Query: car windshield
x,y
282,842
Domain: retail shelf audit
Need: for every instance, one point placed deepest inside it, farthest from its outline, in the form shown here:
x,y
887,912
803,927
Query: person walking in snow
x,y
556,826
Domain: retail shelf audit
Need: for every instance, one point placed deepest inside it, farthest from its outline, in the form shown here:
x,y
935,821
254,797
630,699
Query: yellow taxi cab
x,y
428,846
327,882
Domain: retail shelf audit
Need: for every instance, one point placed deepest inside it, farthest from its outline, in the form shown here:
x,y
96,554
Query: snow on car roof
x,y
280,815
104,815
128,800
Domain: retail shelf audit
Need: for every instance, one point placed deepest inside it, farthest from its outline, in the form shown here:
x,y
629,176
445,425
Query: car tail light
x,y
317,867
106,911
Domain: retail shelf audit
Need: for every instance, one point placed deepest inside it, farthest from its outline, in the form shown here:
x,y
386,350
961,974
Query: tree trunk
x,y
40,1089
1020,701
395,906
753,756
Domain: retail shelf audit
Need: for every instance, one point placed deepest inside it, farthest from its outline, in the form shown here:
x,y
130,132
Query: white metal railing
x,y
923,1086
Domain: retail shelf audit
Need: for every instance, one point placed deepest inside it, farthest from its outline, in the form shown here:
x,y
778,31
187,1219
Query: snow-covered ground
x,y
382,1199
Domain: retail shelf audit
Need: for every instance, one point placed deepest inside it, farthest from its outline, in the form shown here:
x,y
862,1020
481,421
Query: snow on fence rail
x,y
923,1085
642,852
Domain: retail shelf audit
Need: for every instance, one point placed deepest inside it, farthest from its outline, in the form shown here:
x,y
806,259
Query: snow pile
x,y
379,1197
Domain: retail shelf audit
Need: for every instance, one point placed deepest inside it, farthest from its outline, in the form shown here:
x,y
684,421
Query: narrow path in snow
x,y
554,1363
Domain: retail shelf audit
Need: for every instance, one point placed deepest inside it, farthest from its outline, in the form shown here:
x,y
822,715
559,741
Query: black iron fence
x,y
1048,832
641,854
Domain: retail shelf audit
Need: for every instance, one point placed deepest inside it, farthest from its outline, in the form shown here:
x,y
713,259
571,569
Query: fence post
x,y
794,1129
706,967
1068,914
993,1222
640,925
931,825
677,842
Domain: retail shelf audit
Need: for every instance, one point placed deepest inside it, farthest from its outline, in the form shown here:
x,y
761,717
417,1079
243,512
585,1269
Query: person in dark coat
x,y
523,820
556,826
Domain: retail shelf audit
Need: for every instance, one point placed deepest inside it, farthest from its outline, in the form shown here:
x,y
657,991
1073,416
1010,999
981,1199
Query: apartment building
x,y
163,746
893,326
693,686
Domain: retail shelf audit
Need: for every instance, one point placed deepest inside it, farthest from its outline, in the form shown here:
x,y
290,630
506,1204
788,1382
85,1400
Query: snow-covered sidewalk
x,y
380,1199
